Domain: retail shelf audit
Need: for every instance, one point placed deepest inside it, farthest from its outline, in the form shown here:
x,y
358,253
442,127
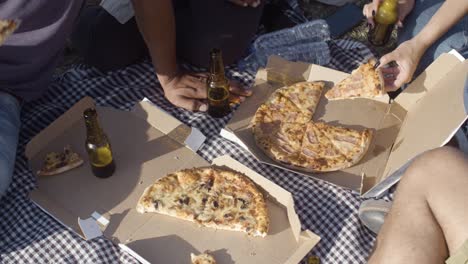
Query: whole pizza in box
x,y
284,130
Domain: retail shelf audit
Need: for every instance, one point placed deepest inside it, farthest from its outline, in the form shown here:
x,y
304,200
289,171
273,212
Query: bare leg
x,y
428,220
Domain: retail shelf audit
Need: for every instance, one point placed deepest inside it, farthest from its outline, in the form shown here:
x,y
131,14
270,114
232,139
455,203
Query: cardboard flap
x,y
189,136
433,119
427,80
56,128
281,195
286,72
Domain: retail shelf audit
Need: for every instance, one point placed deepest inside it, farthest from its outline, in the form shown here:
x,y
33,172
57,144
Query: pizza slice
x,y
56,163
304,95
7,27
331,148
285,144
353,144
204,258
319,152
211,197
364,82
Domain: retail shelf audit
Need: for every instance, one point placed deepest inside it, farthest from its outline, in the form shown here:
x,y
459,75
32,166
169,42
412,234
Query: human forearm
x,y
155,19
447,16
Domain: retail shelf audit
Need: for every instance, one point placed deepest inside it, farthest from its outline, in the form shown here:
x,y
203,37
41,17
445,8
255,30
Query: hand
x,y
407,56
404,8
189,91
246,3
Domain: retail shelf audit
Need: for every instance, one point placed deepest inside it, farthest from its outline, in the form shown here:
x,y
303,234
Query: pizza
x,y
330,148
292,104
365,82
304,95
7,27
59,162
284,130
211,197
204,258
284,144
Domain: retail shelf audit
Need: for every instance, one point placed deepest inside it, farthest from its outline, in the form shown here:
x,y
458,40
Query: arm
x,y
156,22
408,54
448,15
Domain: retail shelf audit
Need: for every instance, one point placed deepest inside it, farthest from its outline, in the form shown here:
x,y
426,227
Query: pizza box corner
x,y
148,144
424,116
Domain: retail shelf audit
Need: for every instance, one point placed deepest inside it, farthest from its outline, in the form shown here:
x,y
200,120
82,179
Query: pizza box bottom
x,y
144,154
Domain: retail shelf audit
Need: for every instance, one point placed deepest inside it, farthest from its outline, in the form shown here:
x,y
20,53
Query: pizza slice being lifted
x,y
211,197
363,82
7,27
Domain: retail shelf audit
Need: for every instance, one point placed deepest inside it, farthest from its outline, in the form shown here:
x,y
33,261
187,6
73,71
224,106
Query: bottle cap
x,y
90,112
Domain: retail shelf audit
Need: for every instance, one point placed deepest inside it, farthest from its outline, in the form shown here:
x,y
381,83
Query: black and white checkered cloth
x,y
28,235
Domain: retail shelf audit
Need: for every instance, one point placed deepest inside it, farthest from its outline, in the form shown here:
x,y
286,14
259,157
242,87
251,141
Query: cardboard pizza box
x,y
148,144
425,116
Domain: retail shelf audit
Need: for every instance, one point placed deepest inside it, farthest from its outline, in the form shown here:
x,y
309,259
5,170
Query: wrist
x,y
420,43
166,77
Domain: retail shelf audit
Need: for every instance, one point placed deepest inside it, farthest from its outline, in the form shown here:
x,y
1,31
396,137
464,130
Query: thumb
x,y
386,59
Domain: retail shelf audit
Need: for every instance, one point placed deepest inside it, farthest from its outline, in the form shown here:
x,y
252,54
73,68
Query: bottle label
x,y
101,156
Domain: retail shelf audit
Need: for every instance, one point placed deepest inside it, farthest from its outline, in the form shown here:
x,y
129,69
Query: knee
x,y
434,164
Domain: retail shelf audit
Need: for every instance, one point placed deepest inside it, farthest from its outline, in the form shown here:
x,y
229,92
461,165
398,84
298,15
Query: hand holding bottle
x,y
404,8
189,91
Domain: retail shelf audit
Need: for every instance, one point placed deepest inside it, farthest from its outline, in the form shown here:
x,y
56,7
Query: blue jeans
x,y
9,130
456,38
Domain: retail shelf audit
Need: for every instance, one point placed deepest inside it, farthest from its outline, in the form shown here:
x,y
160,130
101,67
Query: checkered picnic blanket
x,y
28,235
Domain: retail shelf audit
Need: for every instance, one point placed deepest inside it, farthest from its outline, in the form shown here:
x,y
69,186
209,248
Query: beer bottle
x,y
98,147
217,87
384,20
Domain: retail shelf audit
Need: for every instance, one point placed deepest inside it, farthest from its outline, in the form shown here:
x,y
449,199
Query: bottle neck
x,y
93,128
216,66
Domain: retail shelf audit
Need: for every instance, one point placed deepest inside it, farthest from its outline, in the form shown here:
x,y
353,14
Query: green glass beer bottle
x,y
217,87
384,20
98,147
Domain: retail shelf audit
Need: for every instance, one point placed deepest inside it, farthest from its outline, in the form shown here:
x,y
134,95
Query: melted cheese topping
x,y
205,197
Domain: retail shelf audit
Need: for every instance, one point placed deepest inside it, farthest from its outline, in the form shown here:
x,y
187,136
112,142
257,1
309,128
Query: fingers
x,y
236,99
400,23
192,93
192,104
386,59
370,10
238,89
390,71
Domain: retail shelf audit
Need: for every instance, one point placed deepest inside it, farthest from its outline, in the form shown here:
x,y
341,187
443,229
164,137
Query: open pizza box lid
x,y
425,116
148,144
